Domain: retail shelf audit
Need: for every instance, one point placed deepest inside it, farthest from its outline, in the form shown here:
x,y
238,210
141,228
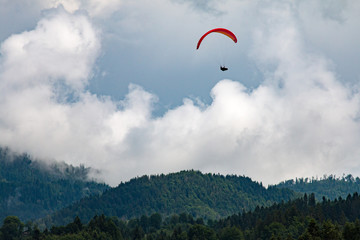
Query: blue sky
x,y
119,86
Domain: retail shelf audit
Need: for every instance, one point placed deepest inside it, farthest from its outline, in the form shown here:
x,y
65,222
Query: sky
x,y
119,86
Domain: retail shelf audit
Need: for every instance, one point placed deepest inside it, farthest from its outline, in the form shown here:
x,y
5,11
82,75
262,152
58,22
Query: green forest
x,y
201,195
330,186
31,190
58,201
302,218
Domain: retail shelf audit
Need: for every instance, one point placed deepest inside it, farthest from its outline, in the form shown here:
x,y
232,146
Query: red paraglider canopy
x,y
218,30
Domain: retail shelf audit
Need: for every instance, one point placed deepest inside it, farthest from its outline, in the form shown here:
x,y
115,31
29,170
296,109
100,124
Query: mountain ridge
x,y
190,191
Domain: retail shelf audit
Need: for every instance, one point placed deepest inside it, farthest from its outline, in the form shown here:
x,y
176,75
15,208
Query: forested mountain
x,y
201,195
302,219
183,205
31,190
330,186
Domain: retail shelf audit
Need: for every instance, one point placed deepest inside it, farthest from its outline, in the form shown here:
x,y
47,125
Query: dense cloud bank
x,y
301,120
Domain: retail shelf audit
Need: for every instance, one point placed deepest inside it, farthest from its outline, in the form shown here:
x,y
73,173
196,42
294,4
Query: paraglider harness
x,y
223,68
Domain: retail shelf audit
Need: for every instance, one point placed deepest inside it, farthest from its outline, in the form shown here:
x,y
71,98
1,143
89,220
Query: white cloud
x,y
95,8
300,121
62,46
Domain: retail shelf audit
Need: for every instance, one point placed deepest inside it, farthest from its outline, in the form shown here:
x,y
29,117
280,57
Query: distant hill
x,y
330,187
31,190
201,195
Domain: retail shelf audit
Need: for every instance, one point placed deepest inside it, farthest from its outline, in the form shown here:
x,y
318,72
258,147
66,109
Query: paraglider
x,y
218,30
223,68
224,31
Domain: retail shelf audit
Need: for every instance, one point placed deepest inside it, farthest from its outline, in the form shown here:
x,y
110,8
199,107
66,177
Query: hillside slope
x,y
201,195
31,190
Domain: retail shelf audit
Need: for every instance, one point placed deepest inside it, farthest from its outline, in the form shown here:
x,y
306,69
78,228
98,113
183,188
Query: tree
x,y
312,200
312,232
231,233
275,229
351,231
330,232
74,227
36,234
137,233
178,234
201,232
144,222
12,228
155,220
105,225
313,228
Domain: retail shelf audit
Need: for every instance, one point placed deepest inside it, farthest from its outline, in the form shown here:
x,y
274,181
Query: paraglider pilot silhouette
x,y
224,31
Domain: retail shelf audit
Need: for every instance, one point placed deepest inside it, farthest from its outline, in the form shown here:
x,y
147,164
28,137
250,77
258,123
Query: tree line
x,y
329,186
303,219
